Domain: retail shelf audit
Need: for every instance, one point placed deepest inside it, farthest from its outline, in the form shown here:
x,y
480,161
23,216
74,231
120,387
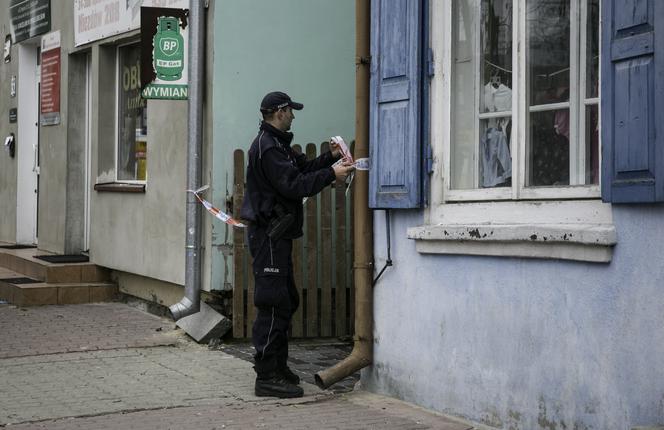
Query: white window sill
x,y
567,242
531,230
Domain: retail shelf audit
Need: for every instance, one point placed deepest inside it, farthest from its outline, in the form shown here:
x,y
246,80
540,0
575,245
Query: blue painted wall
x,y
521,343
303,47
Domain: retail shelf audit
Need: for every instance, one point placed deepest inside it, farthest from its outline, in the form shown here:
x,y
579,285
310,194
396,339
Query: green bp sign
x,y
168,50
166,34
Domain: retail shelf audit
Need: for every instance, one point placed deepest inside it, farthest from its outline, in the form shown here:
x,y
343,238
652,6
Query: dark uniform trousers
x,y
275,297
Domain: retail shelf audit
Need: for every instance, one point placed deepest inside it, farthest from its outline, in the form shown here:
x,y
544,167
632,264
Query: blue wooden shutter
x,y
395,179
632,106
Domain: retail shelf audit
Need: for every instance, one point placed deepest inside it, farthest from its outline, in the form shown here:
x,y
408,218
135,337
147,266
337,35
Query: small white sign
x,y
50,41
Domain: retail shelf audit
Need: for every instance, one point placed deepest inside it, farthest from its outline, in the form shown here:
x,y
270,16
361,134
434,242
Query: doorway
x,y
27,144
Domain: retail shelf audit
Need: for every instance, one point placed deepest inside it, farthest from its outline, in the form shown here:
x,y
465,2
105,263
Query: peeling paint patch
x,y
542,418
550,423
514,420
492,418
591,408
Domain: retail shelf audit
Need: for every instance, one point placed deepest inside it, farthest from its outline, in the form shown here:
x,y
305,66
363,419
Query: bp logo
x,y
169,46
168,55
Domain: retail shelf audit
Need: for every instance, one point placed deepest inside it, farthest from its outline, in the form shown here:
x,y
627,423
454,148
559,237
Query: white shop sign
x,y
98,19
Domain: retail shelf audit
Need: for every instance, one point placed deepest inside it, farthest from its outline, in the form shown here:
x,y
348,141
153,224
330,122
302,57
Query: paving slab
x,y
26,331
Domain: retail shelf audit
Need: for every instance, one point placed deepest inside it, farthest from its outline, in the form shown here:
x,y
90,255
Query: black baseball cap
x,y
277,100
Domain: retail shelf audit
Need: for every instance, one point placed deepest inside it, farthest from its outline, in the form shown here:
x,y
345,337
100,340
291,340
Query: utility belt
x,y
280,221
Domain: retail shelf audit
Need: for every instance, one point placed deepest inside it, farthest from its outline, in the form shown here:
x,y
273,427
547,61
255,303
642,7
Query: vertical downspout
x,y
190,303
362,354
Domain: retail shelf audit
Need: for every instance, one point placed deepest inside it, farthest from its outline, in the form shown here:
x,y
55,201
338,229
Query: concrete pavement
x,y
111,366
306,358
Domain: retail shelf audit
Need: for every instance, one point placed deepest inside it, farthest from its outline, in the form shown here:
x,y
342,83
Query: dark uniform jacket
x,y
276,174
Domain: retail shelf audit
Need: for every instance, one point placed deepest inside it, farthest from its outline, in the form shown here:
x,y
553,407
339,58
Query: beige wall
x,y
136,233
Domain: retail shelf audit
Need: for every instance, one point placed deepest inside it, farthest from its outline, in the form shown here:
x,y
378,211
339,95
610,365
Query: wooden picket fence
x,y
322,262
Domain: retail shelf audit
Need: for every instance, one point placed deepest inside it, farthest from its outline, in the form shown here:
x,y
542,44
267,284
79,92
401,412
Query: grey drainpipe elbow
x,y
362,354
190,303
184,307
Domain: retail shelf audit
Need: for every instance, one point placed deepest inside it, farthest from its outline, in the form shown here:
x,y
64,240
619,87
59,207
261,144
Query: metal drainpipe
x,y
190,303
362,354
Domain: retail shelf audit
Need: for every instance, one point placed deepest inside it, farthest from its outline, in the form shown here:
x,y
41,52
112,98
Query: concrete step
x,y
23,261
13,290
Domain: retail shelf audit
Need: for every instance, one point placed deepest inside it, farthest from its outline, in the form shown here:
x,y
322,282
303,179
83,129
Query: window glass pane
x,y
592,145
548,33
463,158
132,117
549,148
496,48
548,63
592,50
481,155
495,155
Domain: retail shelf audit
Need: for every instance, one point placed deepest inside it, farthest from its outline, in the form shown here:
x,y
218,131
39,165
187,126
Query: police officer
x,y
277,181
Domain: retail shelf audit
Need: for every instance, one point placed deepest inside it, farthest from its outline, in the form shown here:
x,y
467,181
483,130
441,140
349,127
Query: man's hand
x,y
336,149
342,169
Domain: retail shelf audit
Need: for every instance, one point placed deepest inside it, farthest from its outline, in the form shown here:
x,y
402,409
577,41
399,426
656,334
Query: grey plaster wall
x,y
76,160
143,233
525,344
8,166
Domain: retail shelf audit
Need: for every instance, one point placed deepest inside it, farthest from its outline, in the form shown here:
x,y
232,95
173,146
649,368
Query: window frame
x,y
520,110
118,81
550,227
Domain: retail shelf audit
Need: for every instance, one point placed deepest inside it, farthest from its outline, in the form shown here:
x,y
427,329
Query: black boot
x,y
275,385
289,376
